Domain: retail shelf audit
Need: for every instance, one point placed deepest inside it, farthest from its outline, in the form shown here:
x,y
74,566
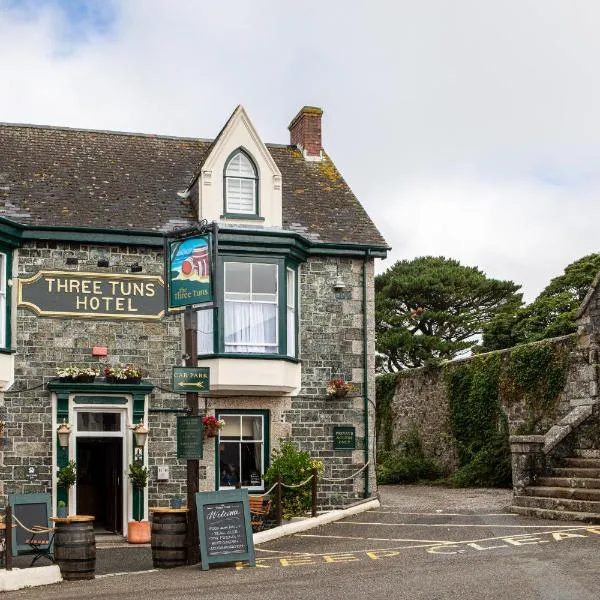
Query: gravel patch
x,y
422,498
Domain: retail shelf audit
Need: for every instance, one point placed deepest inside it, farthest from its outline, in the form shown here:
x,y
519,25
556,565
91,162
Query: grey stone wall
x,y
421,401
331,345
43,344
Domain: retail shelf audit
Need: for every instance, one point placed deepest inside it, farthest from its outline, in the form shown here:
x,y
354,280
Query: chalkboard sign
x,y
189,438
224,527
29,509
344,438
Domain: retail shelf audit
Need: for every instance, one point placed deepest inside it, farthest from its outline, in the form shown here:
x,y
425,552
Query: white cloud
x,y
466,128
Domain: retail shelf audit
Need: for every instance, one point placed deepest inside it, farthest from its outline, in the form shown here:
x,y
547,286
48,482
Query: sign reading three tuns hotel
x,y
93,295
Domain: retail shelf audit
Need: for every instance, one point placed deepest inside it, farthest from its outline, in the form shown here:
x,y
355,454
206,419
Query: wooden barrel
x,y
168,538
75,548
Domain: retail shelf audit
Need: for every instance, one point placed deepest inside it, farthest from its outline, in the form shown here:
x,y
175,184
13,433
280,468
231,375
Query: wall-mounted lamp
x,y
141,434
63,432
136,268
339,285
103,261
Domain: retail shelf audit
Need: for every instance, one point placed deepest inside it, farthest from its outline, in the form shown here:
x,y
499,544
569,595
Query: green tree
x,y
433,308
551,314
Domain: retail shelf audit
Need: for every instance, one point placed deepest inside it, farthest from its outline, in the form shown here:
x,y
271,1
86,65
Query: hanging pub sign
x,y
191,379
93,295
189,271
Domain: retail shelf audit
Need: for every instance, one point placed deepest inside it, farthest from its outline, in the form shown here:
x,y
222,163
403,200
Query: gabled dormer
x,y
239,181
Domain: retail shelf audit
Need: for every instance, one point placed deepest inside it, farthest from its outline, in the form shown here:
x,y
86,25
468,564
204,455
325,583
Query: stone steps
x,y
569,482
562,515
571,491
558,504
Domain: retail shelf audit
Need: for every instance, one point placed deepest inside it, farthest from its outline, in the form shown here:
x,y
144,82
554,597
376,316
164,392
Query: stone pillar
x,y
528,460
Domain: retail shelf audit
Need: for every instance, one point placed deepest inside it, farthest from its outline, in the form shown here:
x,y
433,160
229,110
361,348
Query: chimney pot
x,y
305,132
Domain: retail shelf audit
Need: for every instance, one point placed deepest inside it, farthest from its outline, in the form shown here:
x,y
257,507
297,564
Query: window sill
x,y
252,375
242,216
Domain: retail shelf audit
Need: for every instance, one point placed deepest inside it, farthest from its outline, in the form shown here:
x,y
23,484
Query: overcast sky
x,y
467,128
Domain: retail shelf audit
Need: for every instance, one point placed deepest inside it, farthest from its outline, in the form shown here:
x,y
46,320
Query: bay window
x,y
259,312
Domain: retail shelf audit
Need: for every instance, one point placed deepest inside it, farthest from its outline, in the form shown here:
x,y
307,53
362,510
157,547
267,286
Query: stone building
x,y
83,220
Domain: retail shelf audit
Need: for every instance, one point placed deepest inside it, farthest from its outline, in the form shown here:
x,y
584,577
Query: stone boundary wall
x,y
421,401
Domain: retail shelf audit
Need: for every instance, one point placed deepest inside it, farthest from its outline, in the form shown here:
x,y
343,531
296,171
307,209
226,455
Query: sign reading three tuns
x,y
93,295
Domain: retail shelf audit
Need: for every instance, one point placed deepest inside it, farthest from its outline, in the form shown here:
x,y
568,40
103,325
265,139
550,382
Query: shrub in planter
x,y
294,466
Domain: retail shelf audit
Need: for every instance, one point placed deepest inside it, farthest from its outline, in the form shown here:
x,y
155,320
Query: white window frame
x,y
232,297
240,441
290,311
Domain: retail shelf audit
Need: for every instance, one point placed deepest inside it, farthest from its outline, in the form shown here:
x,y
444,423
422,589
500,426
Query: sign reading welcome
x,y
93,295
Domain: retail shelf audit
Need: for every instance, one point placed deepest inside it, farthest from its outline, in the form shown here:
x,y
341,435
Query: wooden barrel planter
x,y
168,537
75,547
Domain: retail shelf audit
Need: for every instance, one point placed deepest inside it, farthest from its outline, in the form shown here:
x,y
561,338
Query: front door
x,y
99,457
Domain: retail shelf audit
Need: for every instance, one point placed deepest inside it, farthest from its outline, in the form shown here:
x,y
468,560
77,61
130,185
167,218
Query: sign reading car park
x,y
93,295
191,379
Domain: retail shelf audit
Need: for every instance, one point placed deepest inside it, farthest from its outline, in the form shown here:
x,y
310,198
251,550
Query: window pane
x,y
291,332
251,460
252,427
229,464
291,288
205,332
232,428
240,166
250,327
93,421
241,195
264,279
237,277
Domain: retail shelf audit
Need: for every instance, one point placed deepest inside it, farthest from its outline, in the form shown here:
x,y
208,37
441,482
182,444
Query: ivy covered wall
x,y
465,410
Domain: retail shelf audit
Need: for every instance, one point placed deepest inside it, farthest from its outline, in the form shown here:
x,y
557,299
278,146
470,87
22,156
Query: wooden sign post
x,y
225,528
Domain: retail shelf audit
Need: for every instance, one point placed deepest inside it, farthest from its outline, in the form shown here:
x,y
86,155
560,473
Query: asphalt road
x,y
421,544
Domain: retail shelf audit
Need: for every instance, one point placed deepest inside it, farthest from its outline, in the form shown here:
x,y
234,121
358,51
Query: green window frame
x,y
238,181
5,300
266,446
211,324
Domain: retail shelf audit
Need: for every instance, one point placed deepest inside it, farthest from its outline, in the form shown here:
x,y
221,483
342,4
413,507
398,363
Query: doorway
x,y
99,489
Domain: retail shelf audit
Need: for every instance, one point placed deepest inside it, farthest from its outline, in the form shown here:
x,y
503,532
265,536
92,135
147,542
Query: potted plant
x,y
176,501
338,388
138,532
66,478
211,426
75,374
122,374
61,510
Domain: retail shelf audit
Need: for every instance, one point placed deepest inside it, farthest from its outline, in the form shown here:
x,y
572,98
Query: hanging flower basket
x,y
211,426
338,388
126,374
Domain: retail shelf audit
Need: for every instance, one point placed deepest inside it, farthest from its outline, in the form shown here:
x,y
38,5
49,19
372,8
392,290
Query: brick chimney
x,y
305,132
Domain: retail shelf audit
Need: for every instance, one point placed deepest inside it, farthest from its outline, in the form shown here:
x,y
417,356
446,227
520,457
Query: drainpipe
x,y
365,373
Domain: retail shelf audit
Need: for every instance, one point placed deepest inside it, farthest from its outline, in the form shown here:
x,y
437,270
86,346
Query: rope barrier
x,y
38,529
297,485
338,479
267,492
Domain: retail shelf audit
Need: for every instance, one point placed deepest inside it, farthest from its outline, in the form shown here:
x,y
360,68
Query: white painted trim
x,y
239,115
21,578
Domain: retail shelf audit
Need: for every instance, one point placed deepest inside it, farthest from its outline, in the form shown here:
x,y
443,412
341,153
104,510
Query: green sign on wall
x,y
189,271
344,438
189,438
191,379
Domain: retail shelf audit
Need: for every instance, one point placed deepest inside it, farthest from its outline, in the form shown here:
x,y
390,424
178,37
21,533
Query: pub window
x,y
4,302
241,450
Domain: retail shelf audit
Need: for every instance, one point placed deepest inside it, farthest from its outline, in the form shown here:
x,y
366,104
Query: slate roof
x,y
58,176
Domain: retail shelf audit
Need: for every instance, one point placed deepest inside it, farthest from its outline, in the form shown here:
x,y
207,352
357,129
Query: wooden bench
x,y
260,507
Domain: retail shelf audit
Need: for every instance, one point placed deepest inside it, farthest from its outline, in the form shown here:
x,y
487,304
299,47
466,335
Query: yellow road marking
x,y
372,539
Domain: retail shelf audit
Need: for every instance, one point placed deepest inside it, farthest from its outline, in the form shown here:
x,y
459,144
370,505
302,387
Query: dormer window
x,y
241,185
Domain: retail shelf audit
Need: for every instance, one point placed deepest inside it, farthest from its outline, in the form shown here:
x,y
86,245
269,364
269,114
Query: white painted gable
x,y
240,133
